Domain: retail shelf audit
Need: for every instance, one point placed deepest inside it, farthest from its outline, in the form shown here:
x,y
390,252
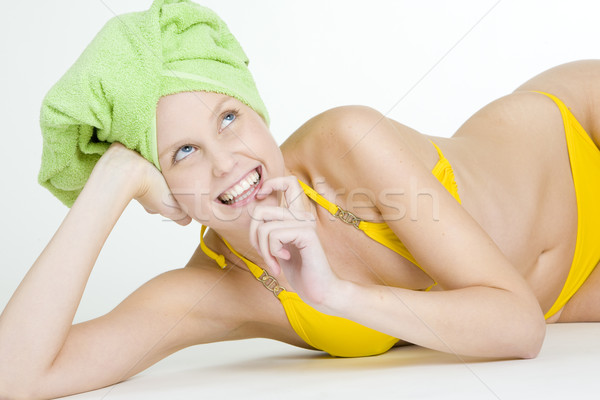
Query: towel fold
x,y
111,92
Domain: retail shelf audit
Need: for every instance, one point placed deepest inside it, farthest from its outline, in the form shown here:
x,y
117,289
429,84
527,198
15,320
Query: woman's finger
x,y
270,247
262,214
290,188
280,236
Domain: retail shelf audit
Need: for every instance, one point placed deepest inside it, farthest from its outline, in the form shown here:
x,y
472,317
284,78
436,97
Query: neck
x,y
241,243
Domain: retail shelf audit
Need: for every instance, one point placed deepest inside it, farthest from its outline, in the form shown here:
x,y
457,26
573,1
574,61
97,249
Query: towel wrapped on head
x,y
111,92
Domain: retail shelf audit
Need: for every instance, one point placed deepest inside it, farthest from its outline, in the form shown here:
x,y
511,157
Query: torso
x,y
513,174
503,160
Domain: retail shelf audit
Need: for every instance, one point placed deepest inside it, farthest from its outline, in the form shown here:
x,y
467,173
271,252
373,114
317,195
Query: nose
x,y
223,161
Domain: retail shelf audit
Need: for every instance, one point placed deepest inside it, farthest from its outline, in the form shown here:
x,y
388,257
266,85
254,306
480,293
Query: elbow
x,y
532,338
15,391
535,347
18,395
12,393
518,337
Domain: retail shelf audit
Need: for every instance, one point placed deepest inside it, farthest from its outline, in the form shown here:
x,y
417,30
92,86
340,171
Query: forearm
x,y
477,321
37,319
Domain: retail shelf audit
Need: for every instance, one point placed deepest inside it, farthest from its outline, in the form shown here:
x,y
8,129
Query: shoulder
x,y
335,129
342,142
577,84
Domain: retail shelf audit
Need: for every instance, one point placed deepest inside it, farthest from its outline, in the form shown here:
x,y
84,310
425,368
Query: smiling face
x,y
215,152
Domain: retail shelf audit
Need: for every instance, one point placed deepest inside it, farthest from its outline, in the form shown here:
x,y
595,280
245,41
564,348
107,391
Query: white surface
x,y
567,368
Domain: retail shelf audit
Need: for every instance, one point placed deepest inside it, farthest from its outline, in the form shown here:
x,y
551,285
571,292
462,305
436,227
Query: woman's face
x,y
215,152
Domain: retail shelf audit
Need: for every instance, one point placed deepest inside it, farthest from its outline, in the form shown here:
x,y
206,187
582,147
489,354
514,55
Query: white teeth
x,y
230,196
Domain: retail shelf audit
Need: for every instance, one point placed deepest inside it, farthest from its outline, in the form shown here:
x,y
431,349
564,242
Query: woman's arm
x,y
486,308
481,320
36,323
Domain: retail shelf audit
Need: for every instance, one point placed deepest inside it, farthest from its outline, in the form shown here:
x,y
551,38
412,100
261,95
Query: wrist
x,y
115,174
109,186
339,299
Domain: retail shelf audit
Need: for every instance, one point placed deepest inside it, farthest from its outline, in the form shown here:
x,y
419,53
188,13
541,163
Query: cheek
x,y
201,207
174,182
276,159
269,148
192,193
195,202
184,187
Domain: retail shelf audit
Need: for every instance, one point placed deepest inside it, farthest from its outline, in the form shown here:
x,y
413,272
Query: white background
x,y
428,64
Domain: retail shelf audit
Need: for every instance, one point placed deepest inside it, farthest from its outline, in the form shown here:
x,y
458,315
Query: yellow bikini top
x,y
338,336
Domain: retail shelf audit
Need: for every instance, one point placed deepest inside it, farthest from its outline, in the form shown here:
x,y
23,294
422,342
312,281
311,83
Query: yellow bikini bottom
x,y
585,169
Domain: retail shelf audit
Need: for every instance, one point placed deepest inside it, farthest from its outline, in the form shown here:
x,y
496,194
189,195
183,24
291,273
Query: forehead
x,y
178,112
182,103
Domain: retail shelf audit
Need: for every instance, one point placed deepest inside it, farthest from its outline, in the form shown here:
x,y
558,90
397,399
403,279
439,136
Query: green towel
x,y
111,92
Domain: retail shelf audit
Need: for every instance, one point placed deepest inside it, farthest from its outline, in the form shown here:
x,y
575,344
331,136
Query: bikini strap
x,y
333,209
260,274
338,212
439,151
219,258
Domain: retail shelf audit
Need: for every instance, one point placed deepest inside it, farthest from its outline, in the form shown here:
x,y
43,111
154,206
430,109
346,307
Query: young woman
x,y
362,232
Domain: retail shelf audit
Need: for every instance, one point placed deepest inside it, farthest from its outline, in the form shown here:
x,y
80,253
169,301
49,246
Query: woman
x,y
491,234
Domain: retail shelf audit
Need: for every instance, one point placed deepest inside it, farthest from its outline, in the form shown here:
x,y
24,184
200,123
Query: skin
x,y
496,274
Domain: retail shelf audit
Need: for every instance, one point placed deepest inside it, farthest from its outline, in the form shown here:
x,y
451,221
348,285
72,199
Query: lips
x,y
242,189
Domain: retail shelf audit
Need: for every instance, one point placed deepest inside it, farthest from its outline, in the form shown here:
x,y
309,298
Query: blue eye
x,y
183,152
228,119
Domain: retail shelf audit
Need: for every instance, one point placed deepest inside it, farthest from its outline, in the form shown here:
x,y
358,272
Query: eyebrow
x,y
214,113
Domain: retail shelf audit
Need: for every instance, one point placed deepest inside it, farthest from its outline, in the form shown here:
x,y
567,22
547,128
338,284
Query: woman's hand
x,y
288,242
147,184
